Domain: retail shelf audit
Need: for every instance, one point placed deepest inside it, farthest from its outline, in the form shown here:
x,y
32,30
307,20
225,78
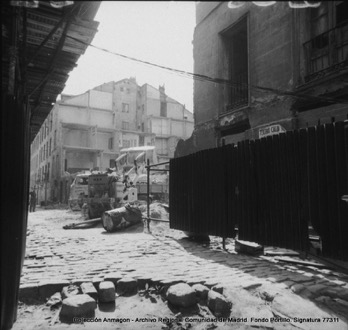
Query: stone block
x,y
127,286
181,295
106,292
81,305
28,291
201,291
218,304
88,288
69,291
48,288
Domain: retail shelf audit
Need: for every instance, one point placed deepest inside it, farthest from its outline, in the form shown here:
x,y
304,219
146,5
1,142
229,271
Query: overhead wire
x,y
205,78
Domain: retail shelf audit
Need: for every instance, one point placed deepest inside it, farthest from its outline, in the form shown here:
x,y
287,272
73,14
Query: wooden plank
x,y
280,237
319,223
342,187
305,212
331,221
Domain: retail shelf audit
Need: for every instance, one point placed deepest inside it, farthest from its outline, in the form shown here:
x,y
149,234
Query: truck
x,y
95,192
79,190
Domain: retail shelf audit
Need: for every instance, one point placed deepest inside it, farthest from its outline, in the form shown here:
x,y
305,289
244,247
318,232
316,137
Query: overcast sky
x,y
160,32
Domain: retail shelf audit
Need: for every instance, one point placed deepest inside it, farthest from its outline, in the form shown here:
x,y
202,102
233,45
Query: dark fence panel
x,y
271,188
328,182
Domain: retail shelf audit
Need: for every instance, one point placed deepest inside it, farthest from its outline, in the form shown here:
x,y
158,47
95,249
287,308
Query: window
x,y
111,143
236,44
125,107
128,90
121,89
125,125
55,138
142,127
163,109
65,164
327,46
319,19
48,171
143,108
50,149
342,13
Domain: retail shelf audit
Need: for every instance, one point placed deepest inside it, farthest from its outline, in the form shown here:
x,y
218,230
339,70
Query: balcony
x,y
327,53
239,96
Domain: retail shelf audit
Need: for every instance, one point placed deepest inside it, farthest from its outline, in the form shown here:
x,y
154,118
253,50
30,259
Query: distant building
x,y
286,69
88,130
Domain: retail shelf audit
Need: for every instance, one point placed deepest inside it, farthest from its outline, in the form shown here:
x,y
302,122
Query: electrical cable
x,y
205,78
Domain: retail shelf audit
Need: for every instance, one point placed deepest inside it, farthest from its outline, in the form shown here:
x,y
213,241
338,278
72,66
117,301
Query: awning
x,y
38,54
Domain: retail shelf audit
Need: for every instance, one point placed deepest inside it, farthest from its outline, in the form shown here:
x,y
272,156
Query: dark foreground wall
x,y
14,202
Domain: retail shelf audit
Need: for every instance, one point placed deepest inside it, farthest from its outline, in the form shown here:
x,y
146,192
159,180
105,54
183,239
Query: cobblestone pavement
x,y
259,287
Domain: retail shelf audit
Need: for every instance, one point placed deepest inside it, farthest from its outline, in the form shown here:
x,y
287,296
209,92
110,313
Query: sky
x,y
160,32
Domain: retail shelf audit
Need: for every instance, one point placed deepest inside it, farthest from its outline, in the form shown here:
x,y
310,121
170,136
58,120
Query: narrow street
x,y
263,292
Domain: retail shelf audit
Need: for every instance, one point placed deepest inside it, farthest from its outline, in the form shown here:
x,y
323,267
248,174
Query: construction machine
x,y
96,192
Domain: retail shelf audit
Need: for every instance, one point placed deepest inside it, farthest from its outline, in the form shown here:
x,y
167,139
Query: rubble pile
x,y
82,301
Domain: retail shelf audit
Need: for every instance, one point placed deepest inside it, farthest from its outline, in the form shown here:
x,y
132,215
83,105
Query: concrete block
x,y
127,286
106,292
88,288
201,291
28,291
81,305
48,288
218,304
181,295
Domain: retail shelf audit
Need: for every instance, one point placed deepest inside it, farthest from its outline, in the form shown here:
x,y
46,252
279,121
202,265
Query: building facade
x,y
87,131
274,68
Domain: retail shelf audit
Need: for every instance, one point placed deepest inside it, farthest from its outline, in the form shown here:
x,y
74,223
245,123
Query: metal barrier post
x,y
148,196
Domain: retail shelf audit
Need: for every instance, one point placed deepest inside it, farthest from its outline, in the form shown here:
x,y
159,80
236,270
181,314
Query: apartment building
x,y
87,131
277,67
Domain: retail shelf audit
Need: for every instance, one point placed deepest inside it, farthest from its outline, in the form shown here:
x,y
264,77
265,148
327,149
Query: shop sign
x,y
271,130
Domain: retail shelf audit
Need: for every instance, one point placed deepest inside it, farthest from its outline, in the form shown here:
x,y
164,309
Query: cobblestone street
x,y
259,287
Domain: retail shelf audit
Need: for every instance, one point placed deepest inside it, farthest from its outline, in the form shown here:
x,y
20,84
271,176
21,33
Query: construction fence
x,y
272,189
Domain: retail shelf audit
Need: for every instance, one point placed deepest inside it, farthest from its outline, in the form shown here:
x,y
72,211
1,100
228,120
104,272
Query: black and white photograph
x,y
174,165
